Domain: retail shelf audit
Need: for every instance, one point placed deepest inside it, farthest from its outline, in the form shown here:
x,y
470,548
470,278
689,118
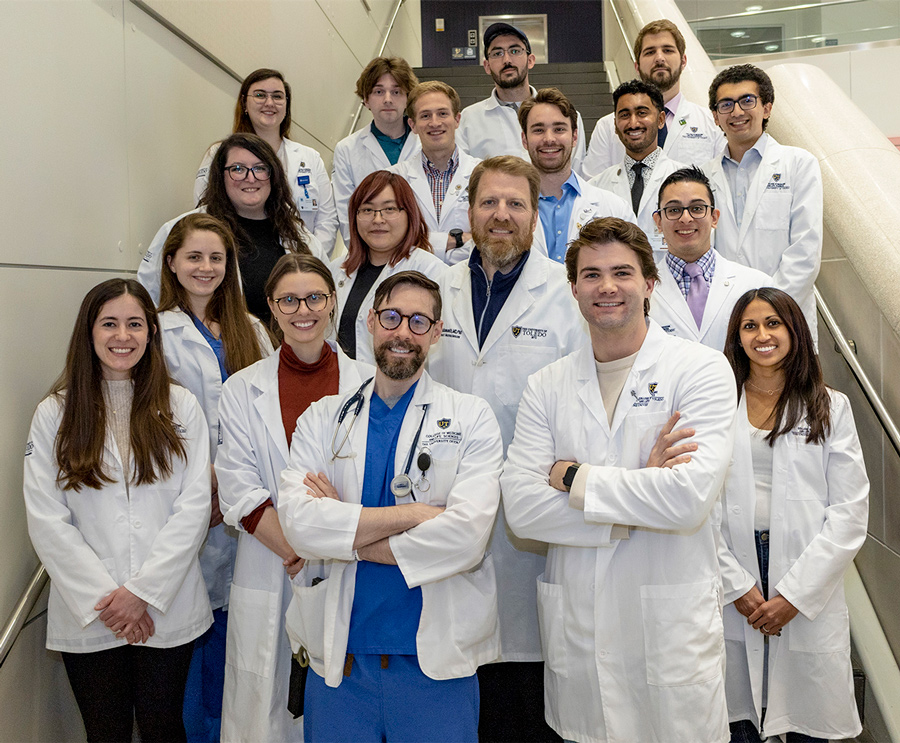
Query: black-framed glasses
x,y
240,172
418,324
514,51
388,213
697,211
260,96
746,102
290,304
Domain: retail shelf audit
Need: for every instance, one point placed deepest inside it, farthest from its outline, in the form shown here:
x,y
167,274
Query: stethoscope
x,y
401,485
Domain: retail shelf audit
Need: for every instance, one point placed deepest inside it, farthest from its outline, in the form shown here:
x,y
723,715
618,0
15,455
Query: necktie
x,y
662,133
698,291
637,188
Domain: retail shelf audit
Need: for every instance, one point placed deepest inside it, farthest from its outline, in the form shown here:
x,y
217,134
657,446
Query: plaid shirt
x,y
707,263
439,180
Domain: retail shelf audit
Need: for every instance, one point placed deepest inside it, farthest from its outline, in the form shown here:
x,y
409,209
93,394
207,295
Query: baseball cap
x,y
503,29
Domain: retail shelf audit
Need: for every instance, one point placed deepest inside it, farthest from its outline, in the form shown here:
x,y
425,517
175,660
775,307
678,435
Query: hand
x,y
142,631
319,486
557,472
770,617
121,610
665,453
451,241
215,516
293,565
750,601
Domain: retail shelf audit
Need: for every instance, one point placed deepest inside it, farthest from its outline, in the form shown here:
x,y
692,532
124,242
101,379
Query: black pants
x,y
512,704
113,686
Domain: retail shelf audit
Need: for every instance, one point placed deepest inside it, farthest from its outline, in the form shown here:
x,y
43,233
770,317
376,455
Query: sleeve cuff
x,y
576,492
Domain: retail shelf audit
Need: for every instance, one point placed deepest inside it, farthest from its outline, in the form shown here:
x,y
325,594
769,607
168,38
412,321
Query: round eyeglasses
x,y
240,172
260,96
418,324
290,304
746,102
697,211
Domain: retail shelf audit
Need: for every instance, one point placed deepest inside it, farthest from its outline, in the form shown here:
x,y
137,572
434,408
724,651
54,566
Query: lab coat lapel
x,y
268,405
418,180
462,307
724,203
423,395
375,151
767,166
681,118
743,499
720,289
646,357
588,387
669,294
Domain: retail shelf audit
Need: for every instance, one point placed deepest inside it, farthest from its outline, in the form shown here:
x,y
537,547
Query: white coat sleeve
x,y
598,156
581,146
680,497
263,337
534,509
455,540
800,260
812,579
326,226
342,185
736,581
317,528
151,263
241,487
73,566
203,173
159,578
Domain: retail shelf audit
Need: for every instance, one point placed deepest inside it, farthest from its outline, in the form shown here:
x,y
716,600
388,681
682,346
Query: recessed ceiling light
x,y
772,47
753,8
738,34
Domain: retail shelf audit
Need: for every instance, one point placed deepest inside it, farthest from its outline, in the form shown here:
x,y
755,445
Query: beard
x,y
665,81
399,369
501,252
564,162
507,83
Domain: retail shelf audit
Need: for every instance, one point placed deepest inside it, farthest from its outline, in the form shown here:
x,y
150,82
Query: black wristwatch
x,y
569,477
457,235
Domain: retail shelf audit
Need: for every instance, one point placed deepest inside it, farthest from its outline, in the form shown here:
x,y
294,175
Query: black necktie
x,y
637,188
661,134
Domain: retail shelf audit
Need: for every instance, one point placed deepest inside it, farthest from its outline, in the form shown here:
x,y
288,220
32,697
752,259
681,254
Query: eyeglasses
x,y
240,172
389,212
290,304
746,102
513,51
390,320
260,96
697,211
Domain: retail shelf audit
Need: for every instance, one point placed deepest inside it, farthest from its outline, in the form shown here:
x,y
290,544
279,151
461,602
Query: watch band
x,y
569,477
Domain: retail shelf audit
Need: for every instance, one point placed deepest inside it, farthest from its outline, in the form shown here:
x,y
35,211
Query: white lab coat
x,y
818,520
147,539
615,179
192,364
354,158
315,200
631,628
151,264
693,138
454,210
594,202
668,306
252,455
419,260
781,232
445,556
488,128
539,323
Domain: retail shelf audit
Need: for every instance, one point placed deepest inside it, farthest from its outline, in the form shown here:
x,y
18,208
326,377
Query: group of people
x,y
546,453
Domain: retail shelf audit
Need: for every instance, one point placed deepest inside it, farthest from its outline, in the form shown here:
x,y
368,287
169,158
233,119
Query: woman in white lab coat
x,y
258,413
207,334
794,515
263,108
388,234
117,497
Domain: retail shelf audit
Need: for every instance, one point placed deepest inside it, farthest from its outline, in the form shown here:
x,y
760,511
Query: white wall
x,y
106,117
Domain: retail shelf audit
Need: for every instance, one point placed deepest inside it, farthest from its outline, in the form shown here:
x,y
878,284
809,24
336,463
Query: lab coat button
x,y
602,653
613,459
137,524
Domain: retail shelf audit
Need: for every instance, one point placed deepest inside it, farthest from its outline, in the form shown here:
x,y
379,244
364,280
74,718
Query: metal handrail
x,y
384,39
612,4
767,11
843,347
19,615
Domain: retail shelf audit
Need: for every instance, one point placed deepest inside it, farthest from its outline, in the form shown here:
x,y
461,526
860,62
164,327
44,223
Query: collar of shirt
x,y
649,162
671,107
382,137
486,307
439,180
756,153
514,105
556,213
707,263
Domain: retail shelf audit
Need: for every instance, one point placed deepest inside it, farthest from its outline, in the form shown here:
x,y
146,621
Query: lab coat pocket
x,y
305,618
474,603
442,476
775,210
683,635
515,363
552,624
827,633
641,432
252,627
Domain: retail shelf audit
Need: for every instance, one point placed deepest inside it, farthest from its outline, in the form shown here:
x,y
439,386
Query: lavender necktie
x,y
698,291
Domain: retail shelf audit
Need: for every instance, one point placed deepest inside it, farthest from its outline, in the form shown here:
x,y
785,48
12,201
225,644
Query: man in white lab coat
x,y
630,603
439,177
507,313
491,127
549,131
639,116
697,287
383,87
770,195
690,135
390,494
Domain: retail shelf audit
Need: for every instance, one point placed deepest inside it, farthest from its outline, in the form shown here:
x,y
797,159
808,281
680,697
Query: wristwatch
x,y
457,234
569,477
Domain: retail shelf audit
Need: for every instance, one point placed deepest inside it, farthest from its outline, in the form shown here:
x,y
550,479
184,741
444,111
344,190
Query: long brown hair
x,y
280,207
82,431
804,390
416,232
242,121
226,305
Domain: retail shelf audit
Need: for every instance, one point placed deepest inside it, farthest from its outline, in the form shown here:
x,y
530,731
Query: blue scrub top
x,y
214,343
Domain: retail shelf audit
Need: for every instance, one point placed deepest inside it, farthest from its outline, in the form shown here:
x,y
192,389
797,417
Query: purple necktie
x,y
698,292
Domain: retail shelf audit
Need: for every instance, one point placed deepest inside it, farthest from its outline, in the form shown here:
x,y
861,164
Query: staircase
x,y
585,83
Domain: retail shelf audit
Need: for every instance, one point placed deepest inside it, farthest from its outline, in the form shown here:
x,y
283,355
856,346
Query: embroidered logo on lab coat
x,y
443,423
29,448
643,401
534,333
775,184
